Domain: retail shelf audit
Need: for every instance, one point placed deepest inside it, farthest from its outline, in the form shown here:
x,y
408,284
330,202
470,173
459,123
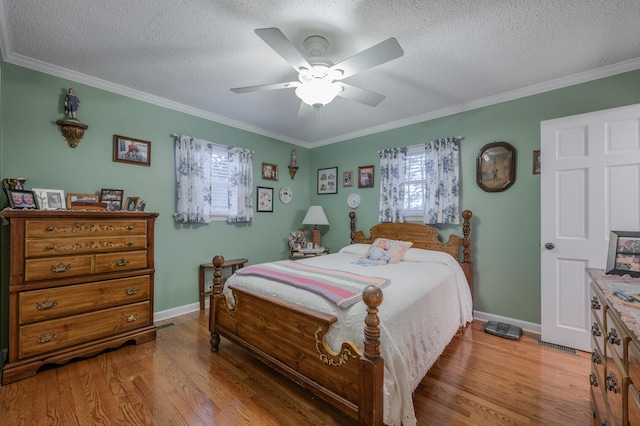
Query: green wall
x,y
505,226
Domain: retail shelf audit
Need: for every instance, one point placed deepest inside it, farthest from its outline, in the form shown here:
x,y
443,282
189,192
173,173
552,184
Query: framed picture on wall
x,y
328,180
265,199
496,167
624,254
365,177
269,171
347,179
132,151
536,162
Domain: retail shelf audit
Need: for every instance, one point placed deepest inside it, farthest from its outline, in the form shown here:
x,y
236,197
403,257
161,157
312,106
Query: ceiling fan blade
x,y
262,87
369,58
283,47
358,94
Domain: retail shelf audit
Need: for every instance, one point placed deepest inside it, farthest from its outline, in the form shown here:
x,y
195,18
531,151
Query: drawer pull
x,y
595,330
131,317
595,357
46,337
613,337
595,304
61,267
47,304
132,290
592,380
130,243
123,262
50,228
130,227
49,247
612,383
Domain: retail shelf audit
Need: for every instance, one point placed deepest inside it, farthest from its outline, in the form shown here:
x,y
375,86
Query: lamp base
x,y
315,237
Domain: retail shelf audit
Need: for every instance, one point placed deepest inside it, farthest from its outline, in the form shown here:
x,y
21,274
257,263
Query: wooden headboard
x,y
423,237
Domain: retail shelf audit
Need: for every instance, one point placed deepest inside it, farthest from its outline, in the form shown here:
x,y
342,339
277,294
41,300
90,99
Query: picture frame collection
x,y
55,199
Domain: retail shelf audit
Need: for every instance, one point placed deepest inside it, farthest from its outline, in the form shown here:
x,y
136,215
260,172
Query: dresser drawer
x,y
121,261
634,406
47,336
58,267
616,336
56,302
59,228
616,383
66,246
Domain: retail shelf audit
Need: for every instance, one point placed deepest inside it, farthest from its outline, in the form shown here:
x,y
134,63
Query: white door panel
x,y
590,185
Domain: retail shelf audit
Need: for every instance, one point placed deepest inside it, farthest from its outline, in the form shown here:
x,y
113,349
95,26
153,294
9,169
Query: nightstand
x,y
233,264
302,253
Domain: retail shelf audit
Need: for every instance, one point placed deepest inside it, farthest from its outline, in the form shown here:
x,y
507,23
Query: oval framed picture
x,y
496,167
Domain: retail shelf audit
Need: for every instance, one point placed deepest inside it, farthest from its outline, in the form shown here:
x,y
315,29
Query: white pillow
x,y
359,249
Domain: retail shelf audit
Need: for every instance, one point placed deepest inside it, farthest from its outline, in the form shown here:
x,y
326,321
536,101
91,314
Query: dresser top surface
x,y
9,213
629,312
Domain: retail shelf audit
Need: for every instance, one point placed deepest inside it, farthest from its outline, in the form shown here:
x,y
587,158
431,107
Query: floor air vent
x,y
169,324
557,347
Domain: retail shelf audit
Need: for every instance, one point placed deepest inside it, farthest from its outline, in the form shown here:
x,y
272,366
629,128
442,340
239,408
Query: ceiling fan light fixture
x,y
318,92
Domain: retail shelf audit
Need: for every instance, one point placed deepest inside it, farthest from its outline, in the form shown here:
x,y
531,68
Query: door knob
x,y
549,246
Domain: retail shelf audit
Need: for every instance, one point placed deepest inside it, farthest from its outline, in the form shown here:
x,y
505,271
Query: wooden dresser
x,y
79,282
615,356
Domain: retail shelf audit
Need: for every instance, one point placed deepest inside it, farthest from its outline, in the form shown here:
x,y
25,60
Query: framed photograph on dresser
x,y
624,254
113,198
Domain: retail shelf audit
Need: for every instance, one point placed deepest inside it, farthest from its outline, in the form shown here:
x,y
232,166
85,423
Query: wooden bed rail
x,y
310,369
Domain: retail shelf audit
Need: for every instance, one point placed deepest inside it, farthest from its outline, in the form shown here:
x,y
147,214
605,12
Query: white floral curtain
x,y
240,185
442,159
193,180
392,178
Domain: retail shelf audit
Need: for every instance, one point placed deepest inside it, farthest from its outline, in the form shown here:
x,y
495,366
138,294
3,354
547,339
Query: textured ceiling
x,y
187,54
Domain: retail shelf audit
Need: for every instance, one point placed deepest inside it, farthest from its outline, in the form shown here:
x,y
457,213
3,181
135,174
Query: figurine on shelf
x,y
71,102
294,160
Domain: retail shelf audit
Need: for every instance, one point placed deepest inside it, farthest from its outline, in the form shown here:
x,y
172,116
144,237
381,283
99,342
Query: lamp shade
x,y
318,92
315,216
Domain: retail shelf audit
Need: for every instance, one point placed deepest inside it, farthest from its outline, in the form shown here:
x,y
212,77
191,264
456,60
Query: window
x,y
213,182
219,180
415,182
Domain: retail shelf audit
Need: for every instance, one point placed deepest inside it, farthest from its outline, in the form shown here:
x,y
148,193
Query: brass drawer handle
x,y
130,243
132,290
47,304
130,227
592,380
595,303
50,228
595,330
123,262
612,383
46,337
49,247
131,317
61,267
613,337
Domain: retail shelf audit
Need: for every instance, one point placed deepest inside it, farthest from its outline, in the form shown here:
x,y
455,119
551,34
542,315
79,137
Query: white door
x,y
590,185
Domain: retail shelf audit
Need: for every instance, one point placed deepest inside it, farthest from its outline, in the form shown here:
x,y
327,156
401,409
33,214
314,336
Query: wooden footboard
x,y
291,339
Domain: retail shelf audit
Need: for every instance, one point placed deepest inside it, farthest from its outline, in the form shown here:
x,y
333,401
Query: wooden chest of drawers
x,y
79,283
615,358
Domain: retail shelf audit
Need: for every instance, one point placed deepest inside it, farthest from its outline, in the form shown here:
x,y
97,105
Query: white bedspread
x,y
423,307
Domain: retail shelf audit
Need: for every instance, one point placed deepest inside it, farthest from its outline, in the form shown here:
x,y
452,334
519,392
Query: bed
x,y
312,340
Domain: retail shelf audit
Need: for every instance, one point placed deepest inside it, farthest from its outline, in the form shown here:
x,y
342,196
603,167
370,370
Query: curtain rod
x,y
175,135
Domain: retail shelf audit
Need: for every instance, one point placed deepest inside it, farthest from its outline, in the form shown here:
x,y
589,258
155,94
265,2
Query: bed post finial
x,y
466,240
216,291
371,403
352,225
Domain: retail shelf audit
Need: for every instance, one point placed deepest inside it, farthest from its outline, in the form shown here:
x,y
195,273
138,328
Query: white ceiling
x,y
187,54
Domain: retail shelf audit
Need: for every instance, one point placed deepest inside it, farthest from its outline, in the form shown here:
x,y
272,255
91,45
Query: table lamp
x,y
315,216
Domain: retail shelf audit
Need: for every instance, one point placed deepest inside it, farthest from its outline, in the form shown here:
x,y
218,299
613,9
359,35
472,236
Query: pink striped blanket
x,y
342,288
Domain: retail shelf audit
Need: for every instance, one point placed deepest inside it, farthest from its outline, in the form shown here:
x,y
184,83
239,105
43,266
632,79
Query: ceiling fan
x,y
319,80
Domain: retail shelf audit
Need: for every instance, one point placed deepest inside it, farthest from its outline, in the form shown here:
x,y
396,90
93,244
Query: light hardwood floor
x,y
479,380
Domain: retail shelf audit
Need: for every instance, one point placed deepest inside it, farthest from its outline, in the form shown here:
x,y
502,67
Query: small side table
x,y
233,264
